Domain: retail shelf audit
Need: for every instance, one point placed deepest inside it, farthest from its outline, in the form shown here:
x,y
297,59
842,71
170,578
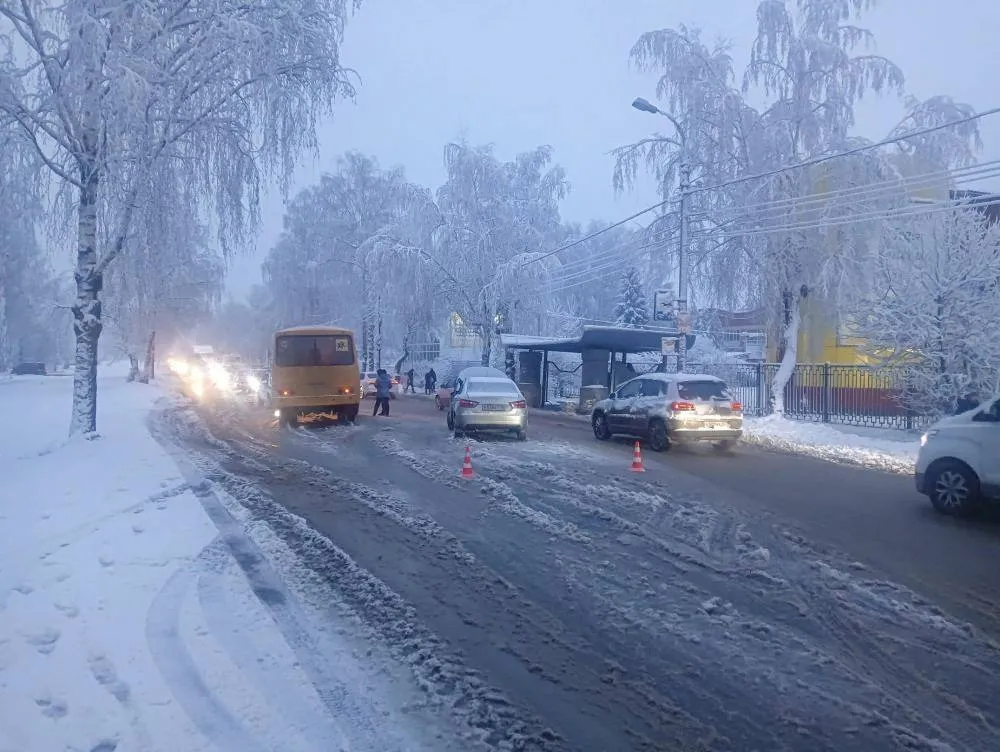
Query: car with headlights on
x,y
958,464
485,399
671,408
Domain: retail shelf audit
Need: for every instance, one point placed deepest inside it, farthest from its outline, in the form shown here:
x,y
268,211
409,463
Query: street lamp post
x,y
683,324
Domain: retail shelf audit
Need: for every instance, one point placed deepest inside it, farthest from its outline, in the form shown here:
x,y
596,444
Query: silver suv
x,y
671,408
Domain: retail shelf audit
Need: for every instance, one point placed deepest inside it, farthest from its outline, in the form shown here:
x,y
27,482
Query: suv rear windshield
x,y
703,390
314,350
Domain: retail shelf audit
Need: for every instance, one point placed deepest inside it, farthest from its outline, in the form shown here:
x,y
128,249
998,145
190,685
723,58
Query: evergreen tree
x,y
632,310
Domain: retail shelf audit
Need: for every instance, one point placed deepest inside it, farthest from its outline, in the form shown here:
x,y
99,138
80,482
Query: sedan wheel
x,y
451,421
954,489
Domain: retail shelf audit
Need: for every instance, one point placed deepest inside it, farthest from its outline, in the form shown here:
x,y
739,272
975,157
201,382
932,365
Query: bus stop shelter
x,y
598,346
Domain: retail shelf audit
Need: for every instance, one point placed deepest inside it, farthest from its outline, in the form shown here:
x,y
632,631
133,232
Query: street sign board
x,y
668,345
684,323
663,305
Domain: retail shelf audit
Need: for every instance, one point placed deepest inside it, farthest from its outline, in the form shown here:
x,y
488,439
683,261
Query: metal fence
x,y
821,392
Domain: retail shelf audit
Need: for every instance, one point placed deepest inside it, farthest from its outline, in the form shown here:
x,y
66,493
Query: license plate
x,y
717,426
494,408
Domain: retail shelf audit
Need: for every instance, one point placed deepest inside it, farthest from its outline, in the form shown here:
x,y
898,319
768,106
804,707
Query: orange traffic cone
x,y
467,464
637,459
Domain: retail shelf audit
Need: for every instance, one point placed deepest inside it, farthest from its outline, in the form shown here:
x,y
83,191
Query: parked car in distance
x,y
485,399
958,464
368,385
28,369
671,408
442,397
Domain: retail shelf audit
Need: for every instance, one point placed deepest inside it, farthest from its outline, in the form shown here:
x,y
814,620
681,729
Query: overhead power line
x,y
770,173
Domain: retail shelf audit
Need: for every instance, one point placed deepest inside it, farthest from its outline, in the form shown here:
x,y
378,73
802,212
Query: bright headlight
x,y
253,382
928,436
220,376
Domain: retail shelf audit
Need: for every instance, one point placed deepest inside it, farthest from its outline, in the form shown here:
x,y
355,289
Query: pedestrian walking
x,y
434,380
410,376
383,390
427,383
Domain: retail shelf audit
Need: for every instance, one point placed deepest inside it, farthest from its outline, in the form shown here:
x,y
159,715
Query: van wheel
x,y
952,487
451,421
289,418
350,414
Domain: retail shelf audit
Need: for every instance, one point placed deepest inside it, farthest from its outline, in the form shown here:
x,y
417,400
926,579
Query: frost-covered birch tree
x,y
227,92
935,311
772,241
498,217
336,257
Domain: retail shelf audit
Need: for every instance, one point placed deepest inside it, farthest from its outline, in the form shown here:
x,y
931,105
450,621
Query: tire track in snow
x,y
215,602
486,716
180,673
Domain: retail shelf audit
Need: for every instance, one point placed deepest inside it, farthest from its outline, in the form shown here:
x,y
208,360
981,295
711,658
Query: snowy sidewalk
x,y
880,449
110,637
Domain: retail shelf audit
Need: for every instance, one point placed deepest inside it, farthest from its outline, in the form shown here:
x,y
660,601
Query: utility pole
x,y
683,322
378,336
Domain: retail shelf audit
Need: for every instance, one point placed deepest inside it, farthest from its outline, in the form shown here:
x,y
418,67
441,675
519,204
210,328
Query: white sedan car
x,y
485,399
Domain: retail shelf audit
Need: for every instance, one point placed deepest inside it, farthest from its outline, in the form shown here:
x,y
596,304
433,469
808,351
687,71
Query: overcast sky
x,y
519,73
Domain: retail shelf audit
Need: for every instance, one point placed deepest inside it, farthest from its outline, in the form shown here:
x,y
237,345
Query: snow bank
x,y
879,449
103,643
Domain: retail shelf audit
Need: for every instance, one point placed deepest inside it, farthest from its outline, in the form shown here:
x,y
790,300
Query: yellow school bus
x,y
315,370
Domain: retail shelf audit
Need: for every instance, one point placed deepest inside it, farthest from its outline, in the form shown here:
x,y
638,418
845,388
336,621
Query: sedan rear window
x,y
703,390
493,386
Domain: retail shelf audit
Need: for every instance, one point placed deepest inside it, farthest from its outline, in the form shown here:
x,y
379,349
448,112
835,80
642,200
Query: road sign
x,y
684,323
663,305
668,345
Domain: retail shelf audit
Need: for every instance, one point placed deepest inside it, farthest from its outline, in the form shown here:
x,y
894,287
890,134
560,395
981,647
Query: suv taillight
x,y
519,404
467,403
736,407
681,407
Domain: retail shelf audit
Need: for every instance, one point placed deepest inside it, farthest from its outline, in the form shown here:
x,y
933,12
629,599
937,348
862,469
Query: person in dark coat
x,y
969,402
427,383
383,391
410,376
434,380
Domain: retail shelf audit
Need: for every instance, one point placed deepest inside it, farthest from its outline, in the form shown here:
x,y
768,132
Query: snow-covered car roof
x,y
481,372
682,377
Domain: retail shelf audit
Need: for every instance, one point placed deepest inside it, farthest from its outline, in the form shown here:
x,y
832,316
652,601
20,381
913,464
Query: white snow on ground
x,y
125,623
892,451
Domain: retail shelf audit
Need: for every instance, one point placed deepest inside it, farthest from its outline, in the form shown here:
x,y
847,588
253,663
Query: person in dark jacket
x,y
434,380
427,383
969,402
410,376
383,390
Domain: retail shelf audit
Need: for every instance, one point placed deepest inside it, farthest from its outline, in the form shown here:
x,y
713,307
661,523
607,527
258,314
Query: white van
x,y
958,466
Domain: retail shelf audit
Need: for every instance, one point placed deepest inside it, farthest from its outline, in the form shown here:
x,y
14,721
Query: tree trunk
x,y
87,308
149,369
133,368
487,352
788,359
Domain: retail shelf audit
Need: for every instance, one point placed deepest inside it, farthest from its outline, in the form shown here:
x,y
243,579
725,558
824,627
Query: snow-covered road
x,y
197,579
137,614
560,602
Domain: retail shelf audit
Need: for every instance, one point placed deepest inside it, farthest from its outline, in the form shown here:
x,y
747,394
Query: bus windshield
x,y
314,350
